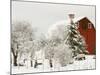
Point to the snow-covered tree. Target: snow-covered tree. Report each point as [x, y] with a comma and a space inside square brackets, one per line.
[58, 31]
[75, 40]
[49, 51]
[56, 47]
[63, 54]
[38, 45]
[22, 39]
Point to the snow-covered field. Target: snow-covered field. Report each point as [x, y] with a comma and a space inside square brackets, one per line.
[89, 63]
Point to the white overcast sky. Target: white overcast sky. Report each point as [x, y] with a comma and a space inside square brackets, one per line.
[43, 15]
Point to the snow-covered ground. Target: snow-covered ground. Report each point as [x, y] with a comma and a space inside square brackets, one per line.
[89, 63]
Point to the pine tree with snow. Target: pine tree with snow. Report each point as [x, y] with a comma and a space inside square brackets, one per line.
[75, 40]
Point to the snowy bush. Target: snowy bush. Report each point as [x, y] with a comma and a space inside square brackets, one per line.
[63, 54]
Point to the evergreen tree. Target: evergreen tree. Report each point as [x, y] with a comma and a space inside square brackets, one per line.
[75, 40]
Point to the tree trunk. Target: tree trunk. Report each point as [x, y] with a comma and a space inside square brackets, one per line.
[31, 63]
[35, 65]
[14, 57]
[50, 62]
[15, 61]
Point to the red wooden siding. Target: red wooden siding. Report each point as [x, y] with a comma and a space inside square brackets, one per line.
[87, 30]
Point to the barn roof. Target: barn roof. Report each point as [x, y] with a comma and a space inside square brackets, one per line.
[81, 18]
[78, 19]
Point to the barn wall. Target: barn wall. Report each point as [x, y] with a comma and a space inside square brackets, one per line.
[89, 34]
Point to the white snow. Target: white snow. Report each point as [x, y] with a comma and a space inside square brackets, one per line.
[89, 63]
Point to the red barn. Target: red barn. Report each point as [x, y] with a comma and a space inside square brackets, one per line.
[87, 30]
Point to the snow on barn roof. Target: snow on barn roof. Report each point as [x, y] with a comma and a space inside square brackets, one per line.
[78, 19]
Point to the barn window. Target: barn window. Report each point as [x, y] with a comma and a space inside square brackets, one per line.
[89, 25]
